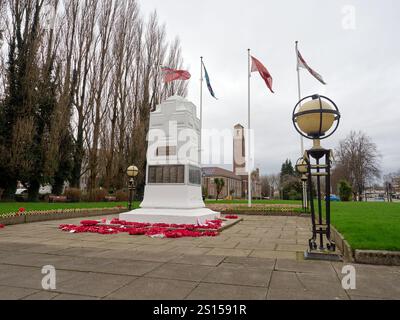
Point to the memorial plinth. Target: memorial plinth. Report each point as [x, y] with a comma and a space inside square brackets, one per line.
[173, 192]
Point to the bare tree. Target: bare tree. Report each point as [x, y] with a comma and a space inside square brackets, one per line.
[85, 16]
[84, 81]
[3, 19]
[270, 184]
[358, 160]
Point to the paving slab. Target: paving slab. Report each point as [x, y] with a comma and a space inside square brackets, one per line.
[377, 281]
[291, 247]
[154, 289]
[235, 274]
[189, 250]
[93, 284]
[264, 264]
[12, 293]
[304, 294]
[273, 254]
[251, 245]
[304, 266]
[201, 260]
[44, 248]
[138, 255]
[208, 291]
[42, 295]
[73, 297]
[229, 252]
[35, 259]
[219, 244]
[129, 267]
[181, 272]
[29, 277]
[286, 280]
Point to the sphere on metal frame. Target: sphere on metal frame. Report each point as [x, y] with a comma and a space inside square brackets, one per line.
[314, 118]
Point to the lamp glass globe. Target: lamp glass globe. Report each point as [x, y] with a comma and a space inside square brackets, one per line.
[301, 166]
[132, 171]
[310, 123]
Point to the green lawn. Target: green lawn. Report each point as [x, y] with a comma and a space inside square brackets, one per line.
[10, 207]
[367, 225]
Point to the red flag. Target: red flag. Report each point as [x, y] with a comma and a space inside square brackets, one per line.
[173, 75]
[301, 63]
[258, 66]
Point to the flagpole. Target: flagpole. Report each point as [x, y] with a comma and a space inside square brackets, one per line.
[299, 91]
[305, 196]
[249, 191]
[201, 111]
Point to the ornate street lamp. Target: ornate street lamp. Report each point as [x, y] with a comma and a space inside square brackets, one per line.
[132, 173]
[302, 169]
[316, 118]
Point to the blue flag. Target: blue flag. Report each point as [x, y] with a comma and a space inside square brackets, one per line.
[208, 82]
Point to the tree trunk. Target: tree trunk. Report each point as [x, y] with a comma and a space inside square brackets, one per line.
[57, 187]
[78, 157]
[33, 191]
[10, 187]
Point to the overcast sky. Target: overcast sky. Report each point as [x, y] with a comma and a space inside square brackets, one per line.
[360, 61]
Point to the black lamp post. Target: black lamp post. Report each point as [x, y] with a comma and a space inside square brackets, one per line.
[317, 117]
[302, 169]
[132, 173]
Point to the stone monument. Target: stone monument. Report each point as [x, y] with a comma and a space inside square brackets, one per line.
[173, 192]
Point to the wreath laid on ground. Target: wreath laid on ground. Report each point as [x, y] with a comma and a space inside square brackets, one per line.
[157, 230]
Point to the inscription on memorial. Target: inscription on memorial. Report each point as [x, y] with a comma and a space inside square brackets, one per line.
[168, 174]
[194, 175]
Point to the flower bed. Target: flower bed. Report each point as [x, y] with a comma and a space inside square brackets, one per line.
[256, 209]
[157, 230]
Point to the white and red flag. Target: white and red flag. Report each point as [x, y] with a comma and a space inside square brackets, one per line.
[257, 66]
[173, 75]
[301, 63]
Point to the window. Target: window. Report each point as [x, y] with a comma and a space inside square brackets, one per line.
[194, 175]
[166, 174]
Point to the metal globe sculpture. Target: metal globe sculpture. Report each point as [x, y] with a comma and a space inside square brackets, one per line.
[317, 117]
[314, 117]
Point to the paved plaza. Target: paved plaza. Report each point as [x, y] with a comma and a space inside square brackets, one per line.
[259, 258]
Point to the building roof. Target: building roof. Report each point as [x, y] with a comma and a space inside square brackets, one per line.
[219, 172]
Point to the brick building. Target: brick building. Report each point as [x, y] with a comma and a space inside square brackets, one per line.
[236, 181]
[396, 185]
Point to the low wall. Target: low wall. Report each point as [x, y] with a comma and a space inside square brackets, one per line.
[342, 245]
[374, 257]
[40, 216]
